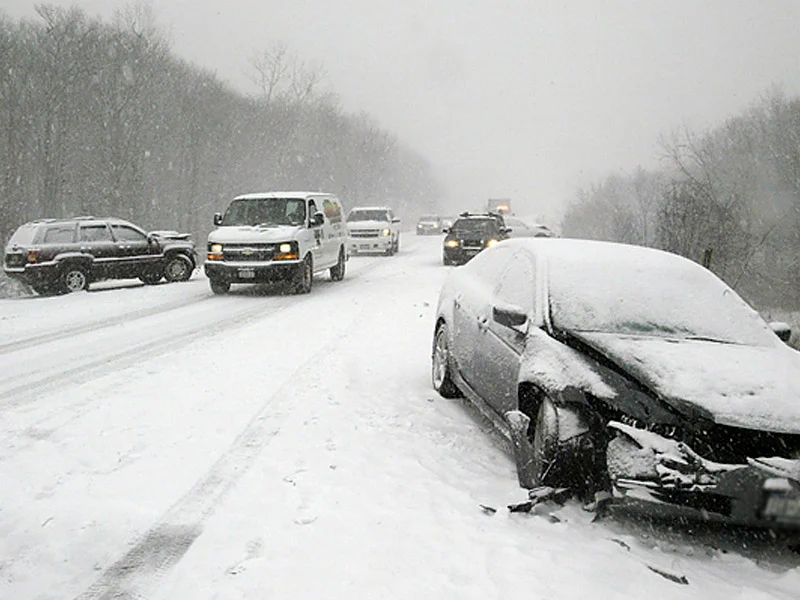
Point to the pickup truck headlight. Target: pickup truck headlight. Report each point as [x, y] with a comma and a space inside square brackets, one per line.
[386, 232]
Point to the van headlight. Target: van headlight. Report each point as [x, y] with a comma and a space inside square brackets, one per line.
[386, 232]
[214, 252]
[287, 251]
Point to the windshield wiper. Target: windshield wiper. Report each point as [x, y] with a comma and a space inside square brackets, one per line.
[702, 338]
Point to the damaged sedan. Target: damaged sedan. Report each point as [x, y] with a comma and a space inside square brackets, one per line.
[625, 369]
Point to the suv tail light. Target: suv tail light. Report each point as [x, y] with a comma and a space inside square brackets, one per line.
[33, 256]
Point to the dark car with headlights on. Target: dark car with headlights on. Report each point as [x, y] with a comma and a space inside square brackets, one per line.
[66, 255]
[470, 234]
[429, 225]
[628, 370]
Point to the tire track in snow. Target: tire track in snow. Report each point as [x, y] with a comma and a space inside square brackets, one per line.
[137, 574]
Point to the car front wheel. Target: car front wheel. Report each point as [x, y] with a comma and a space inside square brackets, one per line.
[178, 268]
[304, 277]
[337, 271]
[440, 365]
[219, 286]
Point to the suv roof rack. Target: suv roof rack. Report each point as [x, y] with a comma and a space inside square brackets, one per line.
[82, 218]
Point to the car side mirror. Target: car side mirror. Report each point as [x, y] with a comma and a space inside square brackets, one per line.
[396, 220]
[217, 219]
[152, 239]
[509, 315]
[445, 230]
[781, 329]
[318, 219]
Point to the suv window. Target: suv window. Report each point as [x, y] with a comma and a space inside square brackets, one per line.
[123, 233]
[95, 233]
[486, 226]
[24, 235]
[59, 234]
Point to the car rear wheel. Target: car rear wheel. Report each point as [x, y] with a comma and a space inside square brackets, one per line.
[337, 271]
[304, 278]
[74, 279]
[219, 286]
[178, 268]
[440, 366]
[151, 277]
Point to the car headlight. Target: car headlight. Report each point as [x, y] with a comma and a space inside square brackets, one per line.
[287, 251]
[491, 243]
[451, 243]
[284, 248]
[386, 232]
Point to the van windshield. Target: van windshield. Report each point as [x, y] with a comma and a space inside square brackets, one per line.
[266, 212]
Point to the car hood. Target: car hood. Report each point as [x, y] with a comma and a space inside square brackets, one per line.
[755, 387]
[254, 234]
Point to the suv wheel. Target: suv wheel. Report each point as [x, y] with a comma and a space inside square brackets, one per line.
[220, 286]
[151, 277]
[74, 279]
[178, 268]
[304, 277]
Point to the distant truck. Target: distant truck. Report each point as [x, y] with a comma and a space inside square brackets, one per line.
[499, 205]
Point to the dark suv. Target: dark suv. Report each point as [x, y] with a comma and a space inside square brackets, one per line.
[470, 234]
[66, 255]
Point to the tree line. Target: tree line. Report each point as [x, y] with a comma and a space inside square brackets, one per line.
[728, 197]
[102, 118]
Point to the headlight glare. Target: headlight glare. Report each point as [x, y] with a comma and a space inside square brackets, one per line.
[491, 243]
[386, 232]
[451, 243]
[215, 248]
[285, 247]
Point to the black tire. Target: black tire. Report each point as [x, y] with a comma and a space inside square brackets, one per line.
[572, 464]
[151, 277]
[178, 268]
[304, 277]
[337, 271]
[74, 279]
[440, 365]
[220, 286]
[390, 250]
[397, 245]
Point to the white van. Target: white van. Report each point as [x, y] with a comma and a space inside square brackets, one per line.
[277, 236]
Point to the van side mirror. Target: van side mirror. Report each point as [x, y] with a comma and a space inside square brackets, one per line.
[217, 219]
[318, 219]
[782, 330]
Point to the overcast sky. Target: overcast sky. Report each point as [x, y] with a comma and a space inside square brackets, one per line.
[526, 99]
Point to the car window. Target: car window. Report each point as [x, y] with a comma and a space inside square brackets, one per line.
[24, 235]
[517, 283]
[124, 233]
[95, 233]
[59, 234]
[489, 264]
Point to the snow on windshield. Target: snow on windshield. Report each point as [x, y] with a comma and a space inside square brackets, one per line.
[265, 211]
[367, 215]
[615, 288]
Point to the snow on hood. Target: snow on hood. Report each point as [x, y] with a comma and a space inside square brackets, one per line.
[558, 367]
[255, 233]
[755, 387]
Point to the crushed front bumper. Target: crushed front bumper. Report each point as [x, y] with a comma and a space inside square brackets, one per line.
[643, 465]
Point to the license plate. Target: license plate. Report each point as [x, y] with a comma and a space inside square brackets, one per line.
[247, 274]
[783, 506]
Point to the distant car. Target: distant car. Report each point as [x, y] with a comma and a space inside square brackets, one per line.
[67, 255]
[470, 234]
[519, 228]
[373, 229]
[626, 369]
[429, 225]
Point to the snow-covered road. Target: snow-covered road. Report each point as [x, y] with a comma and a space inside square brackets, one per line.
[162, 442]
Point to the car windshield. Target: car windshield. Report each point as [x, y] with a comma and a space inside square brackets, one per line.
[630, 291]
[479, 226]
[367, 215]
[265, 212]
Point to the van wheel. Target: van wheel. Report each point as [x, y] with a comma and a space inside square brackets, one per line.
[337, 271]
[220, 286]
[304, 277]
[74, 279]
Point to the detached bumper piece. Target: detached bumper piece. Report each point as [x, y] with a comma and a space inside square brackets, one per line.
[646, 466]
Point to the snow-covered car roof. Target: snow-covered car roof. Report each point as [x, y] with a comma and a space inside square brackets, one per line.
[295, 194]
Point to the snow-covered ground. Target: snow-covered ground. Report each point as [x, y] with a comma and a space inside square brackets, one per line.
[162, 442]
